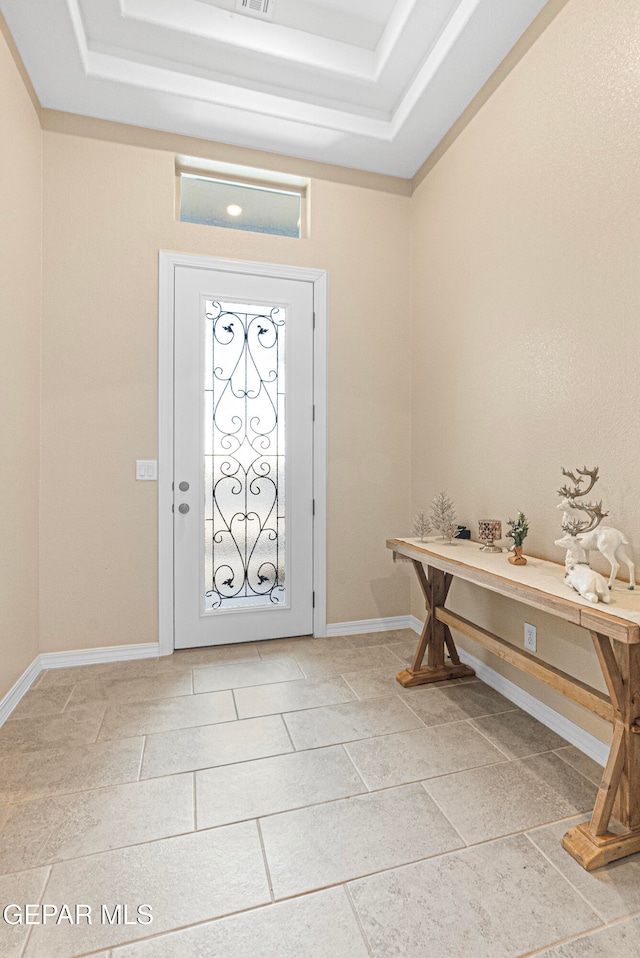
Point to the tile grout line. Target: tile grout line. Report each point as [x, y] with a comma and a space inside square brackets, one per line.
[253, 685]
[353, 795]
[314, 708]
[197, 768]
[304, 708]
[399, 697]
[305, 674]
[567, 880]
[444, 815]
[507, 757]
[389, 697]
[356, 915]
[95, 788]
[556, 751]
[264, 859]
[343, 745]
[431, 778]
[378, 871]
[235, 704]
[345, 679]
[43, 847]
[580, 935]
[521, 831]
[23, 950]
[622, 918]
[144, 745]
[344, 883]
[68, 699]
[465, 845]
[480, 732]
[595, 785]
[312, 748]
[180, 728]
[284, 722]
[195, 802]
[104, 715]
[413, 712]
[467, 719]
[167, 774]
[168, 932]
[400, 658]
[119, 848]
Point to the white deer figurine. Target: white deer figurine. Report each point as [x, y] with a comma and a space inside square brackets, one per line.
[589, 583]
[610, 542]
[588, 534]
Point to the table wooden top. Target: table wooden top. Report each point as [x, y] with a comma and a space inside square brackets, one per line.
[539, 583]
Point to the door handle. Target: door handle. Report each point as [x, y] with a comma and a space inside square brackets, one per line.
[183, 508]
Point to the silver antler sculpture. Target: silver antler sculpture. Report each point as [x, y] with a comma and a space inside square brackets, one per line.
[570, 499]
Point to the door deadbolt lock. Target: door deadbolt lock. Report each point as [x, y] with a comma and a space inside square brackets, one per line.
[184, 487]
[183, 508]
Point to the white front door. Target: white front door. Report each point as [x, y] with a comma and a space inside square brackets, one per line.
[243, 457]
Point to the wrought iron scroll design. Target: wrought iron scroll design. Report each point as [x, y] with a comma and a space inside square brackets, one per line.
[247, 446]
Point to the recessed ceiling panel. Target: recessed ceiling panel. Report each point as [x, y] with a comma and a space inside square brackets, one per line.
[358, 22]
[373, 85]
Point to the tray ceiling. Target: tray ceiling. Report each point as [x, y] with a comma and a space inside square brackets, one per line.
[370, 84]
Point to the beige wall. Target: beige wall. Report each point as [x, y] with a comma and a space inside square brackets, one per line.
[523, 245]
[20, 301]
[525, 252]
[109, 208]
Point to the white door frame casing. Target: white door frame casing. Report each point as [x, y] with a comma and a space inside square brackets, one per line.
[168, 261]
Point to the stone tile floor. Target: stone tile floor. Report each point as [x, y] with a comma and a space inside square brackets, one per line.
[288, 799]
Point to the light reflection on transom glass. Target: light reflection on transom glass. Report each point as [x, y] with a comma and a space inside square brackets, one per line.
[244, 456]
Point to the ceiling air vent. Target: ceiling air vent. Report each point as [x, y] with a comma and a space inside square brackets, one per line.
[256, 8]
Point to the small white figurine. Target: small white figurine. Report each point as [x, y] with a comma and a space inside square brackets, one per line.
[575, 553]
[589, 534]
[610, 542]
[590, 584]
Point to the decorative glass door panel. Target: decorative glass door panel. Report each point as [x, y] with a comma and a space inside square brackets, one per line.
[244, 455]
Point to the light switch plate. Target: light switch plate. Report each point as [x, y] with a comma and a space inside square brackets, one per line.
[147, 470]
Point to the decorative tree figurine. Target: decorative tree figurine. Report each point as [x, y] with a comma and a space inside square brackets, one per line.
[443, 517]
[421, 525]
[518, 529]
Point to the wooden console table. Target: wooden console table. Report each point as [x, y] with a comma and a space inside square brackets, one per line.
[615, 630]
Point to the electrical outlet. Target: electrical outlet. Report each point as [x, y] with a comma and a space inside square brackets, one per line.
[530, 637]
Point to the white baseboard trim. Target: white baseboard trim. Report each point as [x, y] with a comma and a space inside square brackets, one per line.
[370, 625]
[577, 736]
[109, 653]
[21, 687]
[63, 660]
